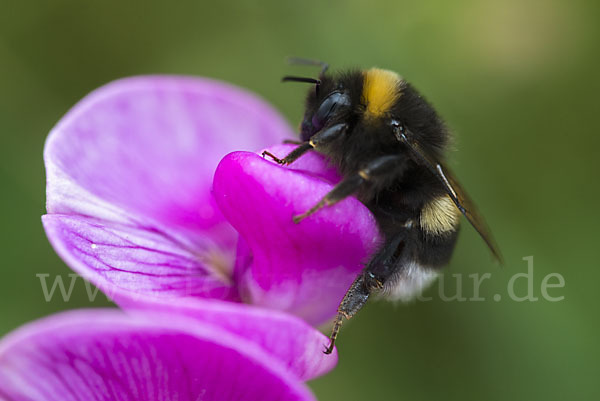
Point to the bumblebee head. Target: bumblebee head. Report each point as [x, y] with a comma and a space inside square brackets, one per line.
[372, 100]
[332, 107]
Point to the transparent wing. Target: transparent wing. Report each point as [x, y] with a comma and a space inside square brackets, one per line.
[458, 195]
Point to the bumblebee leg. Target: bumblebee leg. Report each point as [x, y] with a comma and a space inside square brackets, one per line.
[355, 298]
[342, 190]
[387, 260]
[409, 261]
[365, 284]
[292, 156]
[404, 265]
[377, 168]
[319, 139]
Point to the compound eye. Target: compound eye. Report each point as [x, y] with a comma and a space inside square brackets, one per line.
[332, 105]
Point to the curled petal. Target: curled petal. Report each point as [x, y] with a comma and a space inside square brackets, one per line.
[106, 355]
[300, 268]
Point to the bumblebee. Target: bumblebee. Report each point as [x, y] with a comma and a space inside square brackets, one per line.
[388, 143]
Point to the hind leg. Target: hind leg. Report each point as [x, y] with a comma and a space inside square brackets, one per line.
[402, 268]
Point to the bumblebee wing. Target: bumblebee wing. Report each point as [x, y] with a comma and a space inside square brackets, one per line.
[458, 195]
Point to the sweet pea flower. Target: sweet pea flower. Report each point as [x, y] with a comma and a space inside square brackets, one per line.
[146, 200]
[156, 195]
[107, 355]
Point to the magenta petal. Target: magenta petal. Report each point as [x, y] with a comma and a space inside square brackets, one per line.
[143, 151]
[106, 355]
[116, 257]
[132, 163]
[287, 338]
[301, 268]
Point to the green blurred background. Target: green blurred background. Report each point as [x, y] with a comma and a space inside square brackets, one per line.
[517, 82]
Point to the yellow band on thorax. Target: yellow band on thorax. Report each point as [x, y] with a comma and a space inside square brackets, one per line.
[381, 89]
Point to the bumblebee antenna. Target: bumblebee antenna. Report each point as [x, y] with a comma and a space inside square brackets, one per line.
[289, 78]
[306, 61]
[317, 82]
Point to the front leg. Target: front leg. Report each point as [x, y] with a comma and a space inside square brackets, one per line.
[318, 140]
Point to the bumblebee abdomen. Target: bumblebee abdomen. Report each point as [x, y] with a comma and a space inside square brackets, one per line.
[439, 216]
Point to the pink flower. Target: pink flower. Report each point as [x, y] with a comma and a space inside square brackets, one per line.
[197, 244]
[131, 204]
